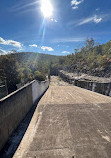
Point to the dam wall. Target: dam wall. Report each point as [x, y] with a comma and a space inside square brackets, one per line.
[102, 88]
[14, 107]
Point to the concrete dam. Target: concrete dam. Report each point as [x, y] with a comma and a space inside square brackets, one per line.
[68, 122]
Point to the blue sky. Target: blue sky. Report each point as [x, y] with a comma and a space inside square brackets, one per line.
[24, 27]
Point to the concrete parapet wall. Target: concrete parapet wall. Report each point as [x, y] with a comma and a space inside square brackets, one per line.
[15, 106]
[102, 88]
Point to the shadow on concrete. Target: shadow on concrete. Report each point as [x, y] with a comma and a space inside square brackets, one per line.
[14, 140]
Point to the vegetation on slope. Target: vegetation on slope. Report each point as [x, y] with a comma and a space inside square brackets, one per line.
[24, 67]
[93, 59]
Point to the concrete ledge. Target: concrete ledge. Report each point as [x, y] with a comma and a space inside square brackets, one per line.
[15, 106]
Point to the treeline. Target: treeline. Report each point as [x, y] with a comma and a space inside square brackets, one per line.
[24, 67]
[93, 59]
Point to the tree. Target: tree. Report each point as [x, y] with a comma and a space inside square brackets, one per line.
[89, 44]
[9, 72]
[39, 76]
[76, 51]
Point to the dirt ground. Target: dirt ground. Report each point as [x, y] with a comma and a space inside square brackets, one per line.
[69, 122]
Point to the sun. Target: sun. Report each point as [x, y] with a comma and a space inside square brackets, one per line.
[46, 8]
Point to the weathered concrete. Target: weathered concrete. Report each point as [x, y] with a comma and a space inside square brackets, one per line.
[15, 106]
[69, 122]
[95, 84]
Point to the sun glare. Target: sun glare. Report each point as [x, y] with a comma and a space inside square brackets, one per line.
[46, 8]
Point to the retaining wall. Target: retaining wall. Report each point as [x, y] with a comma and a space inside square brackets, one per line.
[102, 88]
[15, 106]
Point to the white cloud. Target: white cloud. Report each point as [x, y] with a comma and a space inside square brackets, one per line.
[85, 21]
[24, 6]
[10, 42]
[97, 20]
[75, 3]
[66, 40]
[65, 52]
[21, 49]
[33, 45]
[13, 43]
[97, 9]
[12, 52]
[53, 20]
[2, 52]
[75, 7]
[44, 48]
[94, 19]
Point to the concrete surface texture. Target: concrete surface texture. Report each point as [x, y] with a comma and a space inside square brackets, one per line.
[16, 105]
[69, 122]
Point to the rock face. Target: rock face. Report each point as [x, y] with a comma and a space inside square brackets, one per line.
[95, 84]
[98, 71]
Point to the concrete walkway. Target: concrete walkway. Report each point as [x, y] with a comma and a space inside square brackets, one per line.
[69, 122]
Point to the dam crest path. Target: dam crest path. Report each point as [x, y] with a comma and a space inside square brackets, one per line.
[69, 122]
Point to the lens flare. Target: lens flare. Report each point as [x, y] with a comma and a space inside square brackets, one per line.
[46, 8]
